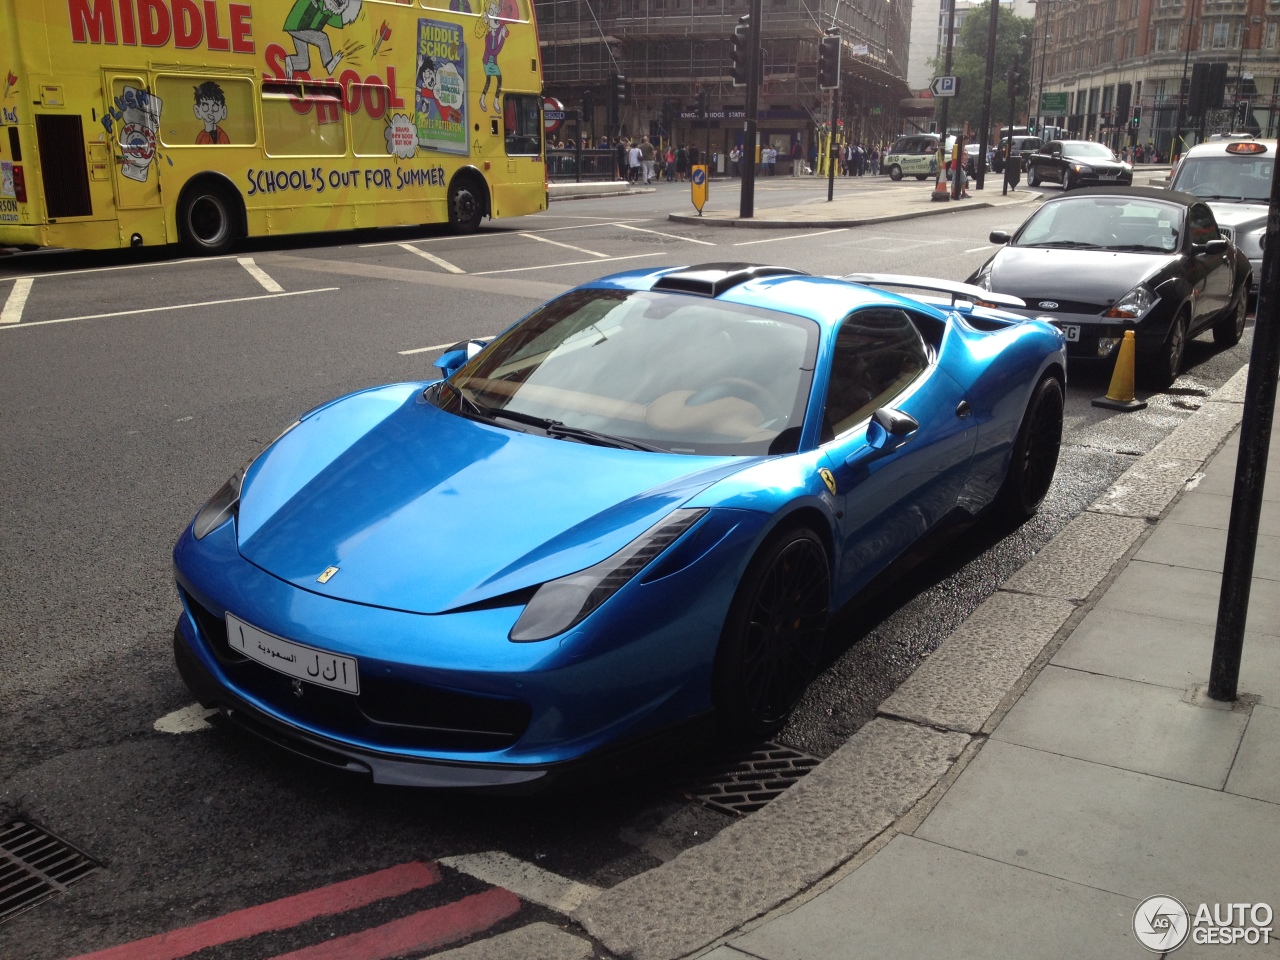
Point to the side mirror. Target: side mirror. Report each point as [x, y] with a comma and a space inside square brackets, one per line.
[1212, 247]
[1057, 154]
[999, 236]
[457, 355]
[888, 423]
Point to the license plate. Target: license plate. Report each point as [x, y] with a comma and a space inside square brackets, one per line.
[294, 659]
[1072, 332]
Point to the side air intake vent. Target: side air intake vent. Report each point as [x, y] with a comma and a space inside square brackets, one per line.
[713, 279]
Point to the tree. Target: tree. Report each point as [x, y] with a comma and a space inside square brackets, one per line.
[969, 63]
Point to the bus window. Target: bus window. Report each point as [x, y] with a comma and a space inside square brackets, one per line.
[201, 111]
[303, 124]
[456, 6]
[522, 116]
[372, 135]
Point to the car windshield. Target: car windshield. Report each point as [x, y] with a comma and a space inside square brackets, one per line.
[677, 372]
[1084, 149]
[1131, 224]
[1239, 178]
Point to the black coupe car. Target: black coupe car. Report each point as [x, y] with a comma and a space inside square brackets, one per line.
[1077, 163]
[1109, 259]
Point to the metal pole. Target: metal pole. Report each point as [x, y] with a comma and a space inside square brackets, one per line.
[1251, 465]
[831, 147]
[1182, 94]
[1235, 106]
[1012, 80]
[577, 150]
[747, 198]
[1044, 55]
[939, 193]
[988, 77]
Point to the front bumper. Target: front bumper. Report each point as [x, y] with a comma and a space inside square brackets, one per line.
[448, 700]
[1090, 337]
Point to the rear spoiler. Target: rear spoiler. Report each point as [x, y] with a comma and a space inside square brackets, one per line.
[953, 288]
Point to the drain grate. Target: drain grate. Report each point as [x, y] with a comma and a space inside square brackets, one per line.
[745, 785]
[35, 865]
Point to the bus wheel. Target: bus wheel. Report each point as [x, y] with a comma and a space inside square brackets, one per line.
[465, 208]
[207, 219]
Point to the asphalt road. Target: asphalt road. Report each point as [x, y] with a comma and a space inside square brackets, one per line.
[135, 382]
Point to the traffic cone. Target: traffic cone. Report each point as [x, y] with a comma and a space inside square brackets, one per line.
[1120, 394]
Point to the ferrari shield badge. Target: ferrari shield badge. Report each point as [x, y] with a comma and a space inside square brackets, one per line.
[327, 575]
[828, 479]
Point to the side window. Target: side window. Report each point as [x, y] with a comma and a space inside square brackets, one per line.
[522, 117]
[1201, 225]
[204, 111]
[303, 119]
[878, 352]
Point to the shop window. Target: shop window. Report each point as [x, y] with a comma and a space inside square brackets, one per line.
[206, 111]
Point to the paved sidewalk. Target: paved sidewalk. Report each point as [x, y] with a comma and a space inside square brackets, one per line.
[1108, 780]
[857, 201]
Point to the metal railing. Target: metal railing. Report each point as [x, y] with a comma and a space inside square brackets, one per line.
[570, 165]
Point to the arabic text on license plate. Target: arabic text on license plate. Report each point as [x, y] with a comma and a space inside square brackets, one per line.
[1072, 332]
[293, 659]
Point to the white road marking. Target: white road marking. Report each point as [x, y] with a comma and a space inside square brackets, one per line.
[508, 233]
[439, 346]
[260, 275]
[978, 249]
[177, 306]
[432, 257]
[567, 246]
[571, 263]
[17, 301]
[187, 720]
[673, 236]
[136, 266]
[794, 236]
[524, 880]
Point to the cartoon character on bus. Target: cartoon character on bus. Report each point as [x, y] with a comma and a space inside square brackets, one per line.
[496, 33]
[211, 110]
[429, 102]
[306, 23]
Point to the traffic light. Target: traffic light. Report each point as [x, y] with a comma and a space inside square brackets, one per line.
[829, 60]
[588, 106]
[621, 90]
[741, 52]
[1136, 120]
[1242, 114]
[704, 103]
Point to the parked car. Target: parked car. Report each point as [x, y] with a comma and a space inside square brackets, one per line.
[632, 511]
[1234, 178]
[915, 155]
[1109, 259]
[1077, 163]
[1024, 147]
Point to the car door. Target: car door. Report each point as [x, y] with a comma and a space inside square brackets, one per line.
[1211, 272]
[1052, 161]
[891, 489]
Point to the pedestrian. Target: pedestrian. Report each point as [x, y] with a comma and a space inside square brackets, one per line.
[735, 161]
[795, 156]
[646, 159]
[670, 163]
[624, 167]
[859, 160]
[633, 161]
[693, 156]
[813, 157]
[682, 163]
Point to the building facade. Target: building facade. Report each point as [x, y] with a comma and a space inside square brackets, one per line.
[1098, 53]
[673, 51]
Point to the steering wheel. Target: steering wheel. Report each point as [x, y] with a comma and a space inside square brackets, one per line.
[738, 387]
[1156, 240]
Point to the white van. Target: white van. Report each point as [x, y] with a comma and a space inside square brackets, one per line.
[915, 155]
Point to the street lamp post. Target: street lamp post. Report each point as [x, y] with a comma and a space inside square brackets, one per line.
[940, 190]
[1182, 89]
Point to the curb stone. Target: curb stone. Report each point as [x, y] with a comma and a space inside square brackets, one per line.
[879, 776]
[766, 224]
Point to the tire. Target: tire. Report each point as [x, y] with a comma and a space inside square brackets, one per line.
[208, 219]
[1035, 452]
[1229, 328]
[921, 176]
[1033, 176]
[895, 172]
[1163, 369]
[466, 208]
[773, 636]
[1067, 182]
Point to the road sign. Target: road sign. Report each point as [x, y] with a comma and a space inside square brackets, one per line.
[945, 86]
[552, 114]
[1053, 104]
[698, 186]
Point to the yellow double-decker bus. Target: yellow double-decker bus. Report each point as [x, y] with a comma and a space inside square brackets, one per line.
[132, 122]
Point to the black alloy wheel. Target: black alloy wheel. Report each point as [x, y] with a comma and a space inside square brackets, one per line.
[773, 636]
[1229, 328]
[465, 208]
[1035, 451]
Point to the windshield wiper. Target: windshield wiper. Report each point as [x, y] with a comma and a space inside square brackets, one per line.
[1076, 244]
[1137, 246]
[469, 408]
[564, 431]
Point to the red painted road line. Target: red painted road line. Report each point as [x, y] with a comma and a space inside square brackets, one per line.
[276, 915]
[420, 931]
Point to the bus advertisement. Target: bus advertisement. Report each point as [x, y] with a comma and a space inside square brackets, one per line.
[132, 122]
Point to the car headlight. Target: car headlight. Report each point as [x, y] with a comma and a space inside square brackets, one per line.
[1081, 168]
[1133, 305]
[223, 505]
[560, 604]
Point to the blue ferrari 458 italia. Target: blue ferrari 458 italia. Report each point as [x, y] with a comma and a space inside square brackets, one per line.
[633, 510]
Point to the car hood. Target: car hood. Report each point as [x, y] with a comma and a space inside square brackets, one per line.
[1238, 215]
[425, 511]
[1089, 278]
